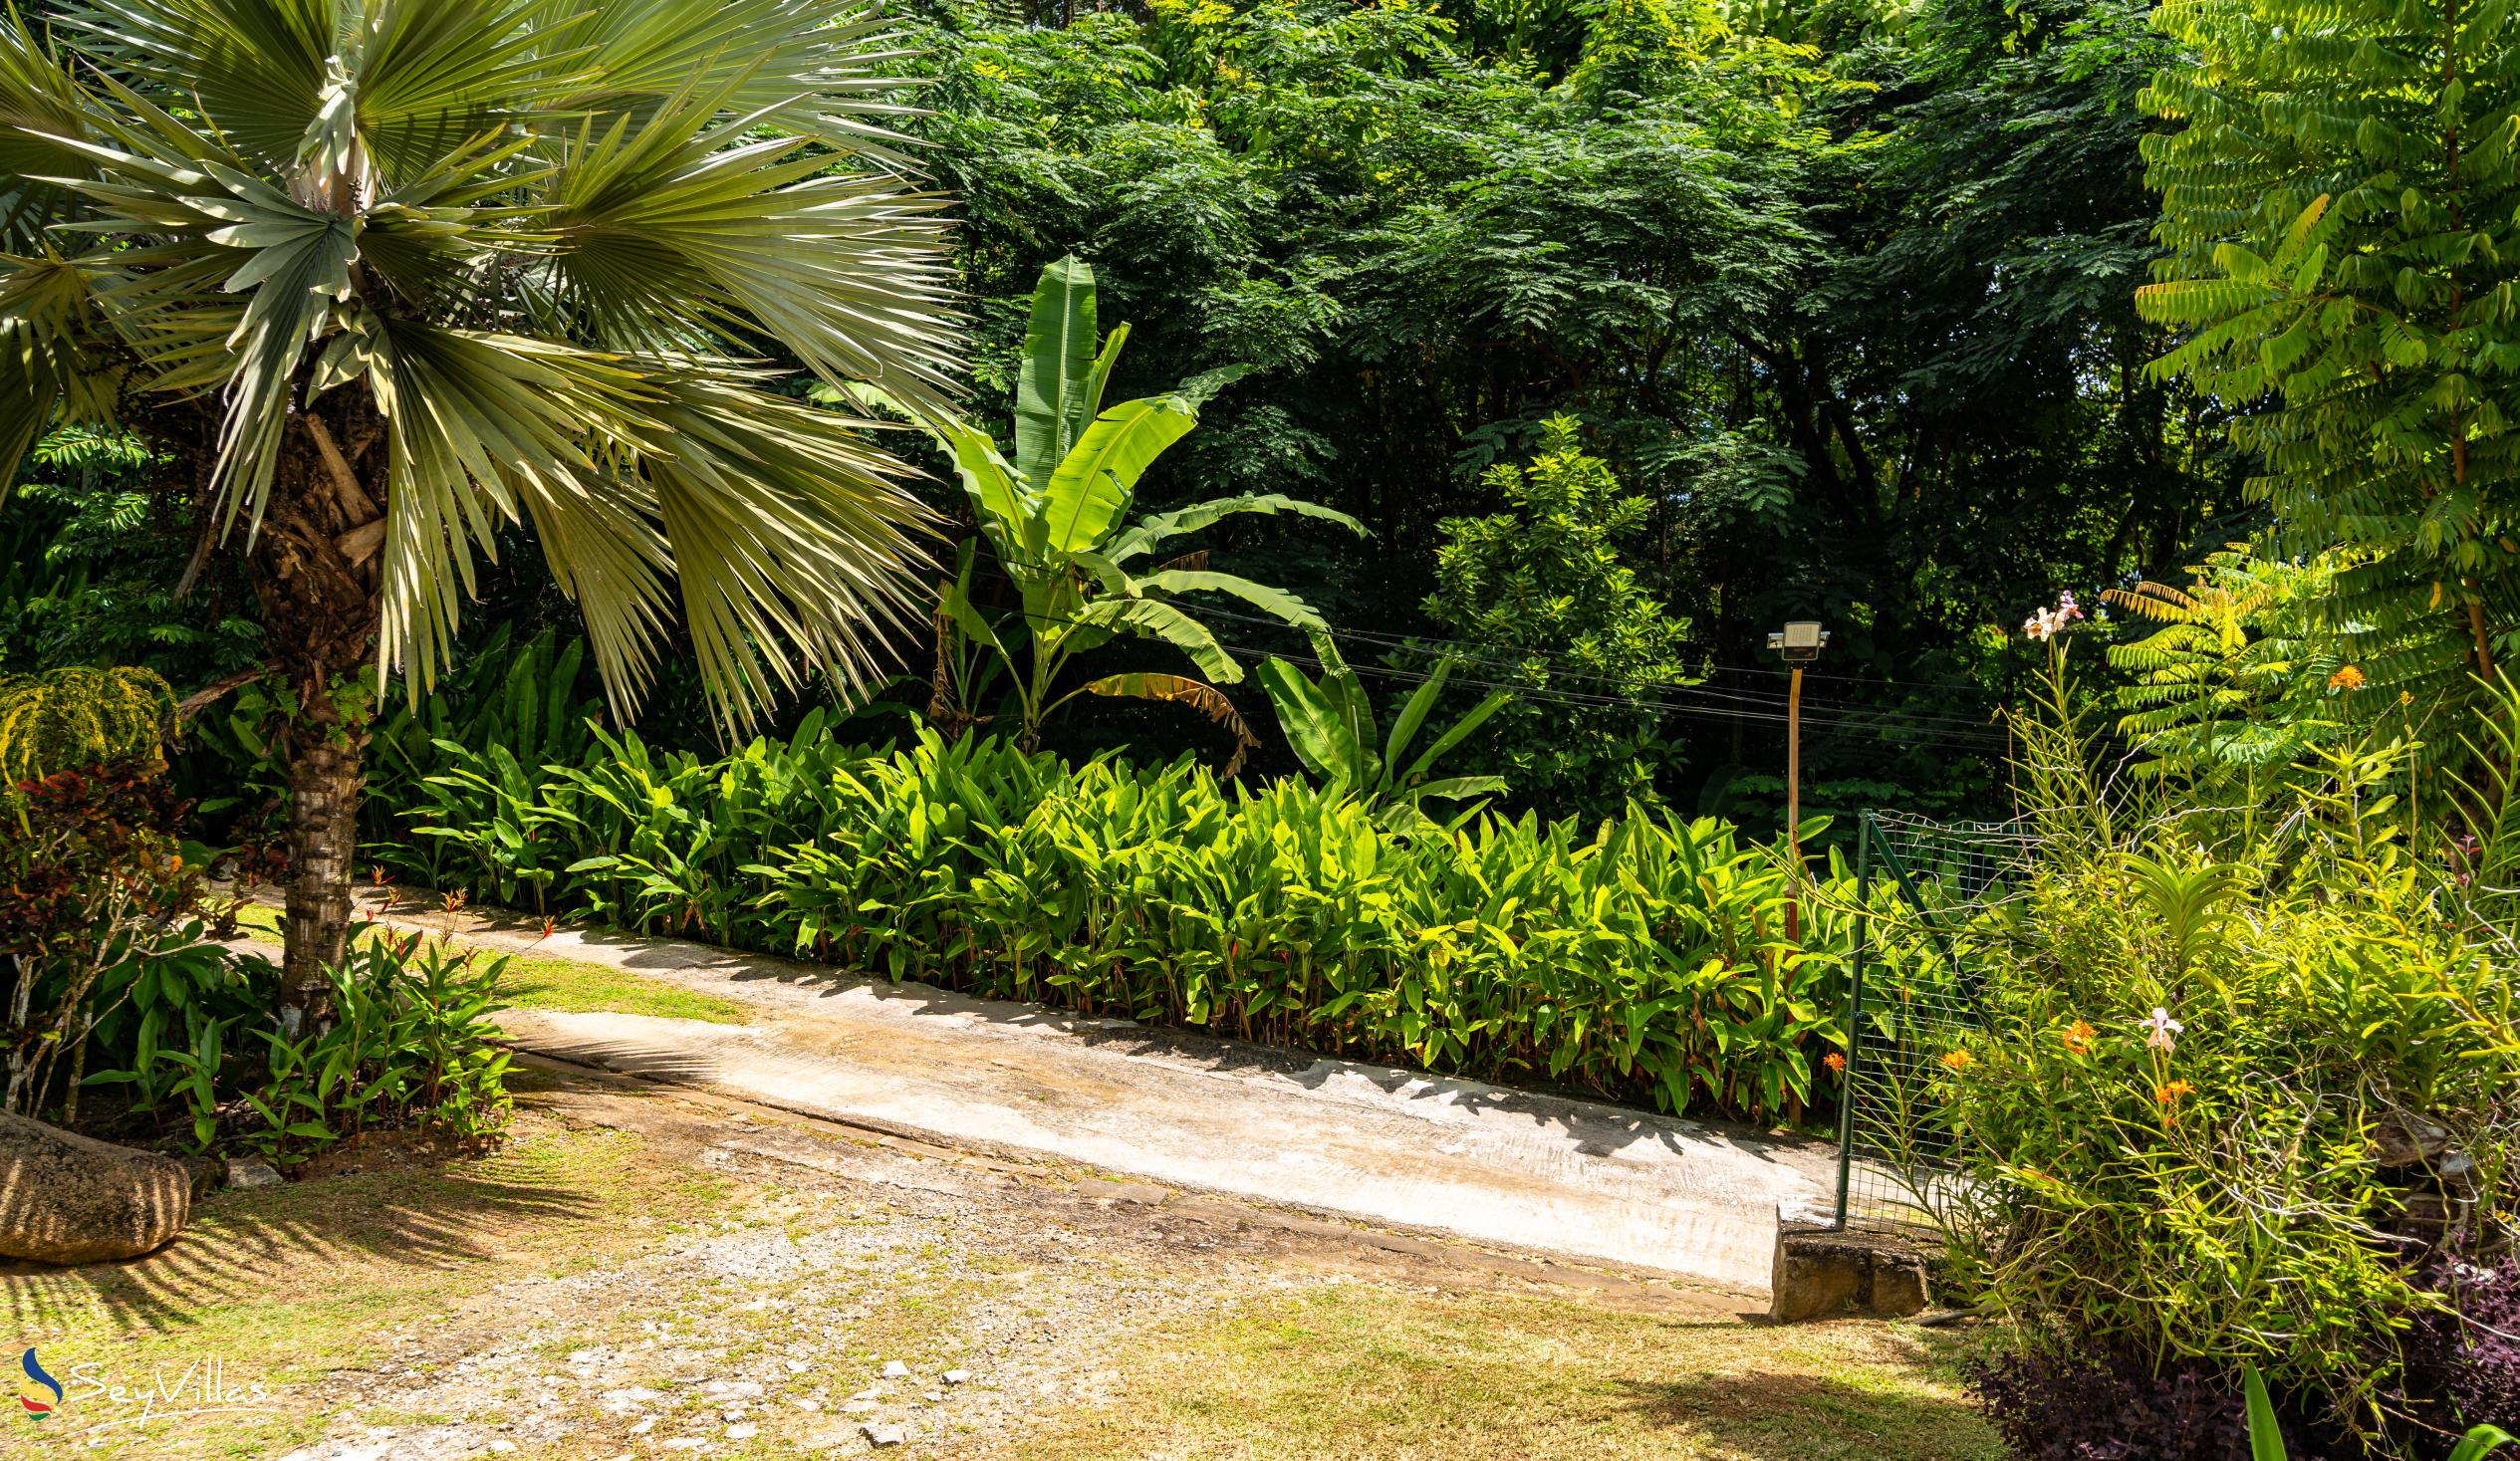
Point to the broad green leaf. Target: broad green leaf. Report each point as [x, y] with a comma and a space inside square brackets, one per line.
[2266, 1437]
[1413, 715]
[1094, 481]
[1459, 732]
[1060, 373]
[1315, 731]
[1452, 787]
[1276, 602]
[1150, 533]
[1154, 618]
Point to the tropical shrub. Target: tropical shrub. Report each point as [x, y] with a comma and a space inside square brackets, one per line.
[2252, 1065]
[102, 907]
[1642, 959]
[414, 1047]
[76, 717]
[99, 906]
[2052, 1408]
[1542, 602]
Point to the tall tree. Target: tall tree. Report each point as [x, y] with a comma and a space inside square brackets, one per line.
[2340, 212]
[376, 278]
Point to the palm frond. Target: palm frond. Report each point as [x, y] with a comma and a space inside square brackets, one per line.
[790, 534]
[668, 236]
[540, 242]
[804, 67]
[475, 422]
[39, 102]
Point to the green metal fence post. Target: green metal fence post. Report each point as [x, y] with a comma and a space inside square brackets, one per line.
[1863, 835]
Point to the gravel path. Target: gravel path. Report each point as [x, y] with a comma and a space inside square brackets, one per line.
[998, 1292]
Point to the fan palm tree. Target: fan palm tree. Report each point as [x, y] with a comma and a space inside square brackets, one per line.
[378, 278]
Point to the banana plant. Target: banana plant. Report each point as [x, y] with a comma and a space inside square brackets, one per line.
[1057, 516]
[1330, 723]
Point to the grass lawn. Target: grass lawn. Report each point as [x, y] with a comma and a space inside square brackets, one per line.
[636, 1267]
[1365, 1372]
[539, 982]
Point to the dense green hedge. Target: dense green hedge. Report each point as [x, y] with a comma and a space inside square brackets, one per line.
[1644, 959]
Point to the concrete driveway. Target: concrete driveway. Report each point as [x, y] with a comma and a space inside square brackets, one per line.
[1394, 1147]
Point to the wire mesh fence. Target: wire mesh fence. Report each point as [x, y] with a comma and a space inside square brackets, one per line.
[1929, 898]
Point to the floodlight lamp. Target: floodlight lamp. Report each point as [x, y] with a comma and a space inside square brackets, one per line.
[1799, 640]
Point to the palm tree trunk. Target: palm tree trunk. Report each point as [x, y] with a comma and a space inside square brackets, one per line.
[314, 569]
[324, 780]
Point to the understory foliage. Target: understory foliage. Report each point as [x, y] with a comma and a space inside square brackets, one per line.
[414, 1047]
[97, 904]
[79, 717]
[1645, 959]
[118, 976]
[196, 1054]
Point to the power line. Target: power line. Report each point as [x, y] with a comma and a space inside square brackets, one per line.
[1984, 737]
[1750, 704]
[1878, 719]
[1752, 701]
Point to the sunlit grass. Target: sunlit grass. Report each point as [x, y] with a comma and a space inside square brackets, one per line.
[540, 982]
[282, 1285]
[1358, 1370]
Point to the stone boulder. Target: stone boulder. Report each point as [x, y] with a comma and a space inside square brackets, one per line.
[66, 1198]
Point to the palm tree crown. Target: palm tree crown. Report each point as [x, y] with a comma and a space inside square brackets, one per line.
[505, 260]
[378, 278]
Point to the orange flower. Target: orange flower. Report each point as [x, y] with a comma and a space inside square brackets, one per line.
[2347, 679]
[1958, 1060]
[2078, 1035]
[1836, 1063]
[2169, 1095]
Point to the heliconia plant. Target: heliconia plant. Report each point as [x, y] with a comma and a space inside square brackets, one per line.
[1330, 726]
[1643, 958]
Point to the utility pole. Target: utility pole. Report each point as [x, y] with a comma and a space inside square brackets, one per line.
[1800, 643]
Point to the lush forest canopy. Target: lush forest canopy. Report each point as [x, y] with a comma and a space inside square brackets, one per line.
[1843, 296]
